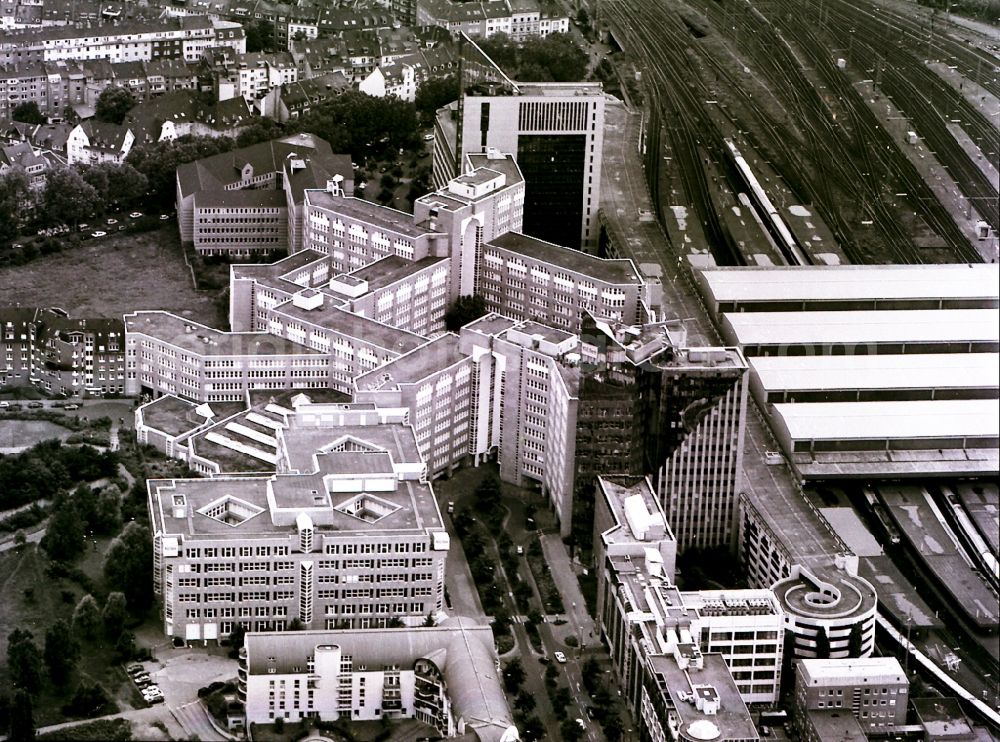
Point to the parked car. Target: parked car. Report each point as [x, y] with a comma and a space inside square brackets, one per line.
[111, 222]
[35, 405]
[135, 215]
[4, 405]
[71, 406]
[98, 234]
[142, 680]
[560, 657]
[84, 227]
[428, 137]
[135, 668]
[152, 690]
[451, 507]
[580, 723]
[164, 217]
[520, 550]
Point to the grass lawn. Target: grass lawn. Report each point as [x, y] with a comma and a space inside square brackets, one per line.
[111, 276]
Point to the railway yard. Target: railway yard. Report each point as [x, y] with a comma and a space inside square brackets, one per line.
[790, 107]
[827, 132]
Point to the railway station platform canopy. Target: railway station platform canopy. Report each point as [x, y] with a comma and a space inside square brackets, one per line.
[870, 371]
[845, 287]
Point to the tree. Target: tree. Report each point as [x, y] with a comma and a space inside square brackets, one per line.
[525, 702]
[434, 93]
[20, 539]
[64, 537]
[295, 624]
[28, 113]
[260, 36]
[487, 493]
[114, 614]
[67, 197]
[854, 641]
[106, 518]
[555, 57]
[22, 718]
[571, 731]
[464, 310]
[158, 162]
[14, 194]
[113, 104]
[513, 675]
[4, 713]
[87, 617]
[822, 644]
[128, 567]
[125, 648]
[262, 129]
[62, 650]
[89, 700]
[24, 660]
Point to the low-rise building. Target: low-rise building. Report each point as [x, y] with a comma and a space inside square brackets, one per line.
[873, 690]
[444, 676]
[94, 142]
[347, 533]
[519, 19]
[249, 200]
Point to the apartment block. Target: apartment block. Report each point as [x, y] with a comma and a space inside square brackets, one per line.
[346, 534]
[129, 41]
[650, 405]
[48, 349]
[444, 676]
[873, 690]
[94, 142]
[519, 19]
[527, 278]
[251, 200]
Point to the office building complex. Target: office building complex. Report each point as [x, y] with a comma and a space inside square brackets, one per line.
[48, 349]
[874, 691]
[687, 664]
[444, 676]
[346, 533]
[635, 556]
[526, 278]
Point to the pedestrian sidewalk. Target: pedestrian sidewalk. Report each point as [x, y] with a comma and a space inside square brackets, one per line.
[564, 575]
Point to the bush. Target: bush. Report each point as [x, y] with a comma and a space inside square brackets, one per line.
[210, 688]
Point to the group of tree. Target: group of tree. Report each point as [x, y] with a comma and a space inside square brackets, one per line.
[113, 104]
[17, 719]
[553, 58]
[73, 516]
[28, 113]
[158, 162]
[433, 94]
[363, 125]
[463, 310]
[49, 467]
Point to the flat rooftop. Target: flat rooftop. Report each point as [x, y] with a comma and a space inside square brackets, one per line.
[732, 721]
[850, 282]
[490, 324]
[392, 268]
[505, 164]
[206, 341]
[876, 372]
[278, 274]
[381, 217]
[875, 669]
[335, 319]
[545, 332]
[614, 271]
[860, 328]
[906, 420]
[304, 443]
[414, 366]
[175, 416]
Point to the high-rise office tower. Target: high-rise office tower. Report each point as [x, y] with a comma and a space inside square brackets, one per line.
[650, 405]
[556, 132]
